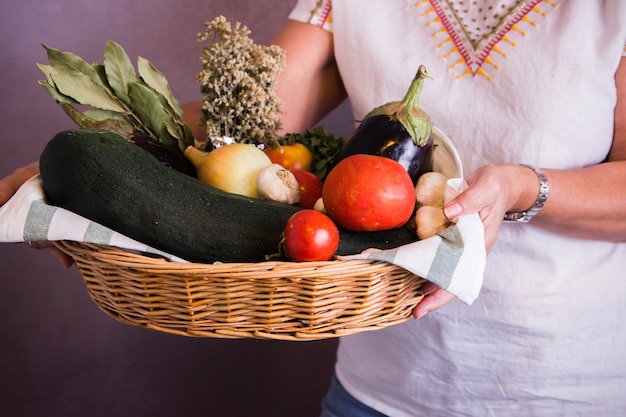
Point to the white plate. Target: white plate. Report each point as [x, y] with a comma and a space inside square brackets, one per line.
[445, 157]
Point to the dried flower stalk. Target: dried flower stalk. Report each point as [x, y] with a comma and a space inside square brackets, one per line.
[238, 81]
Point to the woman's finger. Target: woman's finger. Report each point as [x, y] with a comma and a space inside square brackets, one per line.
[61, 256]
[434, 300]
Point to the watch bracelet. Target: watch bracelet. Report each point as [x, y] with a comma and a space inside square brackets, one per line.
[542, 196]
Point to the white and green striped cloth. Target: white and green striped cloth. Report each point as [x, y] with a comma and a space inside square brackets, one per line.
[26, 217]
[454, 259]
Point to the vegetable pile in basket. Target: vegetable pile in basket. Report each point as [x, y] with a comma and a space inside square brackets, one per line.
[257, 196]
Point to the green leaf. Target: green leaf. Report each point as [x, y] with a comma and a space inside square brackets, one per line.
[188, 138]
[147, 106]
[99, 114]
[99, 68]
[185, 135]
[69, 62]
[46, 69]
[119, 70]
[85, 90]
[177, 128]
[172, 126]
[48, 84]
[176, 133]
[155, 79]
[166, 139]
[56, 94]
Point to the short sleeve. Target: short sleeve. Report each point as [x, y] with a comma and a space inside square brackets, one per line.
[314, 12]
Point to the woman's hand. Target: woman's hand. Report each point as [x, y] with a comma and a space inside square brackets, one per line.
[435, 298]
[9, 186]
[492, 192]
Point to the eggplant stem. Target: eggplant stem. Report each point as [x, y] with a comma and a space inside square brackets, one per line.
[408, 111]
[414, 93]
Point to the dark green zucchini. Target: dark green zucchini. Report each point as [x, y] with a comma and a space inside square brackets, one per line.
[103, 177]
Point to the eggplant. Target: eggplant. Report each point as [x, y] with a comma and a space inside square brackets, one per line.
[384, 136]
[399, 130]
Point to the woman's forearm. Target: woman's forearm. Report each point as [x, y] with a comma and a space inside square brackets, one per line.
[588, 202]
[311, 86]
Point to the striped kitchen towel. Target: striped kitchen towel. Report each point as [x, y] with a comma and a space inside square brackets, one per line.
[26, 217]
[454, 259]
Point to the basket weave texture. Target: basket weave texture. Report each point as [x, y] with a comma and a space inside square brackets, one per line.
[266, 300]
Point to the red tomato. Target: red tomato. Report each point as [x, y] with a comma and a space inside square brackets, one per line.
[310, 235]
[296, 156]
[368, 193]
[310, 188]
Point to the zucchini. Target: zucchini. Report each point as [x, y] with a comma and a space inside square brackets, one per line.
[107, 179]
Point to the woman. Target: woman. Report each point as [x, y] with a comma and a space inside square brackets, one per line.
[540, 83]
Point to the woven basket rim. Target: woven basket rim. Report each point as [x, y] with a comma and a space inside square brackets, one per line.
[280, 300]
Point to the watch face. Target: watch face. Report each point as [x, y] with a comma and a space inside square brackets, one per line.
[517, 217]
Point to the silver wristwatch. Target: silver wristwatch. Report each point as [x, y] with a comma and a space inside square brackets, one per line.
[544, 188]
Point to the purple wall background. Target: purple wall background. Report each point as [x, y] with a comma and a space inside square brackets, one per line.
[59, 354]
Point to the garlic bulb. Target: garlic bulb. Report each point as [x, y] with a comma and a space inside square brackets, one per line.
[430, 189]
[278, 184]
[430, 220]
[319, 205]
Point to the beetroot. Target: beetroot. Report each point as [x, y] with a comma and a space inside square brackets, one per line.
[170, 157]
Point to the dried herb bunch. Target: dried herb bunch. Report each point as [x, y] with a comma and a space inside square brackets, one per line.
[238, 80]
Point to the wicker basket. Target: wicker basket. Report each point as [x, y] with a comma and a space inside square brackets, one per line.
[269, 300]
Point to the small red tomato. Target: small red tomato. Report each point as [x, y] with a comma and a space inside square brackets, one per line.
[310, 188]
[310, 235]
[296, 156]
[368, 193]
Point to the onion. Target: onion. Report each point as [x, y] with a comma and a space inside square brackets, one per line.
[232, 168]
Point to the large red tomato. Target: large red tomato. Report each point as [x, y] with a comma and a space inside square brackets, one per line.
[368, 193]
[310, 235]
[310, 188]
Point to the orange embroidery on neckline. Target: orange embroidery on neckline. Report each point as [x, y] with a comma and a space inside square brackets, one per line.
[476, 43]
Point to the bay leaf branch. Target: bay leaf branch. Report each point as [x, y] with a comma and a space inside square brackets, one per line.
[68, 62]
[85, 90]
[119, 70]
[146, 105]
[155, 79]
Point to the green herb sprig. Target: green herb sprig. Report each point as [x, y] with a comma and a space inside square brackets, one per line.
[325, 147]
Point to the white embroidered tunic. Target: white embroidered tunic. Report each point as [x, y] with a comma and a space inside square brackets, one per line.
[513, 82]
